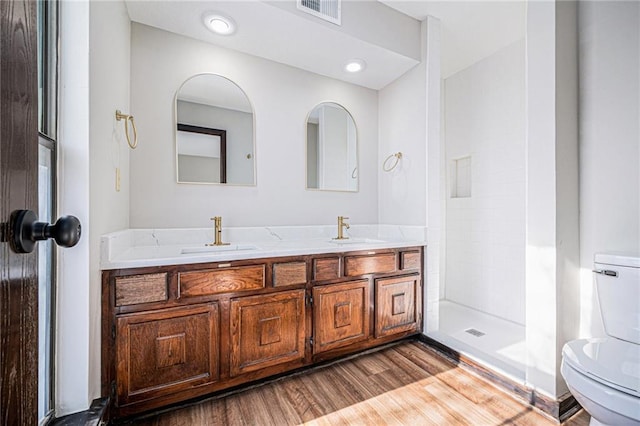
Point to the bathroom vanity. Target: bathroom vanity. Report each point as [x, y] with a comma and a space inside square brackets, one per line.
[174, 331]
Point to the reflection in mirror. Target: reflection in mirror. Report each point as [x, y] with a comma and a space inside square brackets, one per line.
[332, 152]
[214, 132]
[201, 154]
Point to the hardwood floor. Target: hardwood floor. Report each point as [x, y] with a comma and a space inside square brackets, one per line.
[405, 384]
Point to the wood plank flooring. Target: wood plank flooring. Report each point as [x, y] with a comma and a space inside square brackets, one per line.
[405, 384]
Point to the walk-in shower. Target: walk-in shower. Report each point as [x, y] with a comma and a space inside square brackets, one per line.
[483, 158]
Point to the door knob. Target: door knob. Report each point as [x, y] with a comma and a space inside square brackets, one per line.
[25, 231]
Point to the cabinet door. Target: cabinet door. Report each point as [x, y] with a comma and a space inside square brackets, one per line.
[396, 305]
[341, 315]
[267, 330]
[164, 351]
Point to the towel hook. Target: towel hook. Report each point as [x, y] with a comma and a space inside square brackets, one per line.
[128, 119]
[397, 156]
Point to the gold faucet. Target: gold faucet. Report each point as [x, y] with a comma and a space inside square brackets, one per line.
[217, 232]
[341, 225]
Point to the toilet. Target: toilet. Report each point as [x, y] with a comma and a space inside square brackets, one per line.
[604, 373]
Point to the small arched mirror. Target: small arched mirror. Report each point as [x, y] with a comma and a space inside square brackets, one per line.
[332, 149]
[214, 132]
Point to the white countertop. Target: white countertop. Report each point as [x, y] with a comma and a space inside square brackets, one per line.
[136, 248]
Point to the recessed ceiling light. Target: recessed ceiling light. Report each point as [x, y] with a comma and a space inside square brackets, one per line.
[355, 65]
[219, 23]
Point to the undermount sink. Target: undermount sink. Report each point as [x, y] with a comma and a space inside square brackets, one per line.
[355, 241]
[218, 249]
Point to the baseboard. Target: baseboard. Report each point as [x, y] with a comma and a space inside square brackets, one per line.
[559, 410]
[96, 415]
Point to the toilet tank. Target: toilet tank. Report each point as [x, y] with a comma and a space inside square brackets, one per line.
[618, 287]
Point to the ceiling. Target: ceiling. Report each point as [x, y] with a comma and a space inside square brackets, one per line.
[385, 33]
[471, 30]
[388, 40]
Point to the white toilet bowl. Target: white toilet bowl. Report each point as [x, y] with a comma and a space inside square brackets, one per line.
[604, 373]
[604, 376]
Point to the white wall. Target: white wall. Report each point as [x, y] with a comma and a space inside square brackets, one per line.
[108, 149]
[610, 141]
[95, 82]
[485, 232]
[282, 97]
[403, 128]
[552, 205]
[567, 181]
[410, 121]
[72, 311]
[541, 298]
[436, 219]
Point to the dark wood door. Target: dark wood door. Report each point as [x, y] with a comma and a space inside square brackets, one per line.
[266, 330]
[165, 351]
[18, 190]
[396, 305]
[341, 315]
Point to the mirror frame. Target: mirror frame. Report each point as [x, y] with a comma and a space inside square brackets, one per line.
[355, 172]
[175, 133]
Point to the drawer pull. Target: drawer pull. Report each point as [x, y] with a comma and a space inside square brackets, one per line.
[224, 265]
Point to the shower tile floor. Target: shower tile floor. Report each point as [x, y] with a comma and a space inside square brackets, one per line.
[500, 346]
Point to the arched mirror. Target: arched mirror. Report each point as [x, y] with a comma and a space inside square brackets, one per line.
[214, 132]
[332, 149]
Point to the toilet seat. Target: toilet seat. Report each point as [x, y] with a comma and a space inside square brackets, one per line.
[606, 405]
[613, 362]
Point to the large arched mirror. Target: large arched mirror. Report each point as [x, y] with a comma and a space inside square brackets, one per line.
[214, 132]
[332, 149]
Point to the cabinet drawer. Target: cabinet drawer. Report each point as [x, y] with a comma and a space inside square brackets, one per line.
[136, 289]
[214, 281]
[290, 273]
[410, 260]
[165, 351]
[369, 264]
[266, 330]
[326, 269]
[397, 302]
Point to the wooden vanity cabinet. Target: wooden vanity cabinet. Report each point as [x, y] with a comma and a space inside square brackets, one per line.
[165, 351]
[340, 315]
[267, 330]
[397, 305]
[172, 333]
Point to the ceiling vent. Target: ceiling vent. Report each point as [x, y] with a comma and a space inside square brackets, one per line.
[329, 10]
